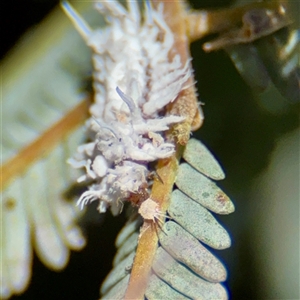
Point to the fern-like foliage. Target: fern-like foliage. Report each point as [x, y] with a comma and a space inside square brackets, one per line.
[42, 112]
[165, 260]
[182, 267]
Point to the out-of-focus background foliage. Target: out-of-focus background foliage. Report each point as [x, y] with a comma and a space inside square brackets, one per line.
[258, 147]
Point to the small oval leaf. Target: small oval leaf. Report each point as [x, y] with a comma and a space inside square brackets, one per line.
[188, 250]
[203, 190]
[198, 156]
[197, 220]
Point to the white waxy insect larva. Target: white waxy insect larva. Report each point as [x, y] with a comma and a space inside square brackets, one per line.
[134, 80]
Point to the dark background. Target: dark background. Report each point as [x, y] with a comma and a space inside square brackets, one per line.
[236, 128]
[18, 16]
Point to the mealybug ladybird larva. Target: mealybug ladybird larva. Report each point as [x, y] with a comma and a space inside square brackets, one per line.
[136, 75]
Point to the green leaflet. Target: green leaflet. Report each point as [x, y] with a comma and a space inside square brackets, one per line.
[158, 289]
[121, 270]
[15, 252]
[199, 157]
[182, 279]
[195, 219]
[203, 190]
[126, 248]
